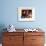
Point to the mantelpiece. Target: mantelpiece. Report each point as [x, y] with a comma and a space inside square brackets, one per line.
[21, 38]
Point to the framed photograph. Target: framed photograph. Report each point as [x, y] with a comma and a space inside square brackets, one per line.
[26, 14]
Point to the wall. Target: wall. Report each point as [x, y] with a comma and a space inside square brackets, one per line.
[9, 13]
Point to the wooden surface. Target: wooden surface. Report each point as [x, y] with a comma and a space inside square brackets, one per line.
[23, 39]
[13, 39]
[34, 39]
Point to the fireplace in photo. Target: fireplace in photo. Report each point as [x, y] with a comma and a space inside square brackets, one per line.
[26, 13]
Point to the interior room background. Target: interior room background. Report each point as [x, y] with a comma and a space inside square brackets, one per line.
[8, 14]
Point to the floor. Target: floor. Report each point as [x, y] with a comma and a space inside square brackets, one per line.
[1, 45]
